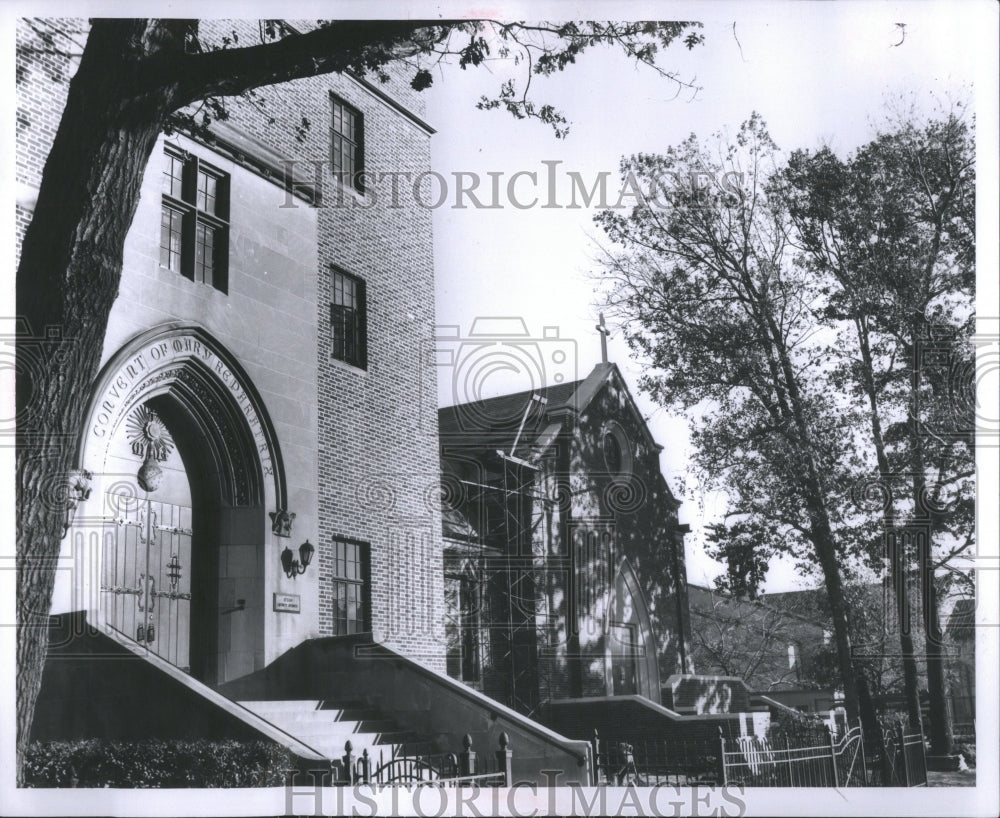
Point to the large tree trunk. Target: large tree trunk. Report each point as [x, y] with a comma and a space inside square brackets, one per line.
[823, 539]
[67, 281]
[940, 717]
[897, 556]
[827, 555]
[941, 727]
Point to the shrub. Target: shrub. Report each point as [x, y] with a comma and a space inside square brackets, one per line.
[798, 729]
[155, 763]
[968, 751]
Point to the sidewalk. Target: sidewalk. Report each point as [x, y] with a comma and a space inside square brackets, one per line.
[956, 779]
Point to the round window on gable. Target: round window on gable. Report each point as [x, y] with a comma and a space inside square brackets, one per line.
[612, 452]
[617, 456]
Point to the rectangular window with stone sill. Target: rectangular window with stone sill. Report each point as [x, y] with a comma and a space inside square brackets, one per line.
[348, 319]
[194, 223]
[351, 586]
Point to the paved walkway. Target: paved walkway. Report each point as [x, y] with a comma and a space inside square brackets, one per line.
[956, 779]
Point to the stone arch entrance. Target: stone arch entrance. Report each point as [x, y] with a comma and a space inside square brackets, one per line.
[186, 551]
[631, 655]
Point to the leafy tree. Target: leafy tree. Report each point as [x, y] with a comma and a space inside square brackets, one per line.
[802, 318]
[892, 229]
[137, 78]
[701, 275]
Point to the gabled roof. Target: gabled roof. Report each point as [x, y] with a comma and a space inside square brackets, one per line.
[805, 605]
[493, 423]
[962, 619]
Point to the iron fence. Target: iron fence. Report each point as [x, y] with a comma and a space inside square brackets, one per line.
[402, 767]
[760, 762]
[808, 759]
[903, 762]
[648, 762]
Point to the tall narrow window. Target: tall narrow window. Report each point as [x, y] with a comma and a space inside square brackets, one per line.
[463, 623]
[351, 583]
[347, 144]
[194, 227]
[348, 319]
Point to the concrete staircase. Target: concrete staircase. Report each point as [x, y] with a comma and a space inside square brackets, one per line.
[327, 726]
[335, 689]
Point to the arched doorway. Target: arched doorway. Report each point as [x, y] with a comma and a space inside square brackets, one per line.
[182, 563]
[631, 654]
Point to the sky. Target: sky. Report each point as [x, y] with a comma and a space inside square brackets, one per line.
[819, 74]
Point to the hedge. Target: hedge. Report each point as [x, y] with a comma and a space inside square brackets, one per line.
[155, 763]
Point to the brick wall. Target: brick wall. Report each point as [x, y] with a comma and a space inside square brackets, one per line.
[377, 444]
[46, 58]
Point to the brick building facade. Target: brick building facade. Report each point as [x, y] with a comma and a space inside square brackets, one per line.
[267, 464]
[274, 332]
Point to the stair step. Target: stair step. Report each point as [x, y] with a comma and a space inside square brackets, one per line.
[335, 746]
[344, 704]
[330, 720]
[356, 713]
[328, 725]
[310, 723]
[282, 705]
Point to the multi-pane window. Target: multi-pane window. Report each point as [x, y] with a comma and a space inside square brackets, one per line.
[171, 233]
[463, 601]
[350, 587]
[194, 229]
[348, 319]
[347, 144]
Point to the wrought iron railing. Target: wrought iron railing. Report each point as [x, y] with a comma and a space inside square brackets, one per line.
[398, 766]
[753, 761]
[648, 762]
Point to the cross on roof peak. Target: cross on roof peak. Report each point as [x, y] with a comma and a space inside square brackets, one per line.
[605, 332]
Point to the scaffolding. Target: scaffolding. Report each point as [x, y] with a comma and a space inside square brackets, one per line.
[512, 509]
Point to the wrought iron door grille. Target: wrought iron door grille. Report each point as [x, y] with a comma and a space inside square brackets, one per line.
[145, 574]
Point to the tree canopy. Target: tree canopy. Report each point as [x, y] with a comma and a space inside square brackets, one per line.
[786, 304]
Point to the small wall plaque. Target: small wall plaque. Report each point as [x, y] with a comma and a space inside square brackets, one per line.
[287, 603]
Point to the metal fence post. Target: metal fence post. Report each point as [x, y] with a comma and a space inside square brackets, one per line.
[722, 758]
[467, 758]
[366, 767]
[349, 761]
[904, 756]
[923, 760]
[595, 744]
[864, 761]
[833, 759]
[505, 758]
[788, 761]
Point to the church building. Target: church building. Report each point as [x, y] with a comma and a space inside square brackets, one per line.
[564, 559]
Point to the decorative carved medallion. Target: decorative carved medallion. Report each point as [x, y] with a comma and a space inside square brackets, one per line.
[149, 439]
[146, 432]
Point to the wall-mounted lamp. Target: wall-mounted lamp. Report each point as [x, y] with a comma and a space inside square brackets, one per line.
[293, 567]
